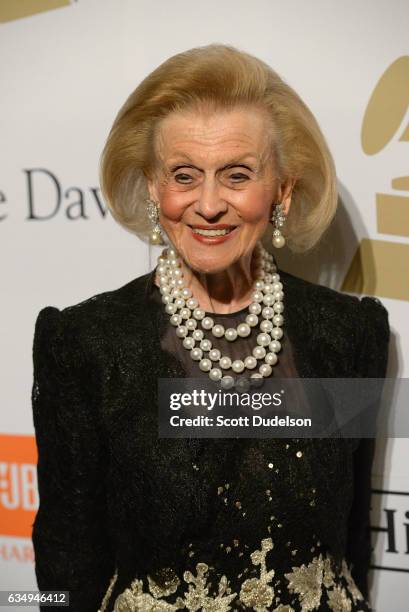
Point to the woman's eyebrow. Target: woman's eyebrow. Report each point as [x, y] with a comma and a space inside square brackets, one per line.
[237, 162]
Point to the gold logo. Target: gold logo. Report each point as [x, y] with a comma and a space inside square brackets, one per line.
[16, 9]
[381, 267]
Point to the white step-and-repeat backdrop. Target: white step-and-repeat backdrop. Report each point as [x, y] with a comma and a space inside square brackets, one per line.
[67, 66]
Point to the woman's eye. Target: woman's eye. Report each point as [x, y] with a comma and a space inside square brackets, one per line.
[185, 179]
[239, 177]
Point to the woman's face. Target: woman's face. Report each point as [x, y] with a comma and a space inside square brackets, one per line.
[215, 183]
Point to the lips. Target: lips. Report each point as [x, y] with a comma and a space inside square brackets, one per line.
[218, 226]
[213, 234]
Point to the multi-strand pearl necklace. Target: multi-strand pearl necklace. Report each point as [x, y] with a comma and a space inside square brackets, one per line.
[191, 321]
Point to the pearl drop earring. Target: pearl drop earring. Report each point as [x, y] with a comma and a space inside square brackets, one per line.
[278, 219]
[153, 214]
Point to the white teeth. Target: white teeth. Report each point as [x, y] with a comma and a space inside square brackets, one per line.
[211, 232]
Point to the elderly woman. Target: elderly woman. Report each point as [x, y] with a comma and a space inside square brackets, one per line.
[206, 151]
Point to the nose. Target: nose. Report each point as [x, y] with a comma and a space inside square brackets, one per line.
[210, 204]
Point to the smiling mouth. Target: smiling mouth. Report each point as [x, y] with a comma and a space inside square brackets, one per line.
[217, 231]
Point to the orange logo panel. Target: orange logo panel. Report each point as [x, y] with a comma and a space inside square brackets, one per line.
[18, 485]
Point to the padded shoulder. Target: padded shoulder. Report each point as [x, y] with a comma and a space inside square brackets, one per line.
[352, 332]
[97, 320]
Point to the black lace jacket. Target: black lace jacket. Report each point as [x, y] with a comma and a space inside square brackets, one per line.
[212, 524]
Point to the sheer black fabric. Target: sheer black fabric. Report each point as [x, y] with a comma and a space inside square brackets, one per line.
[240, 348]
[212, 524]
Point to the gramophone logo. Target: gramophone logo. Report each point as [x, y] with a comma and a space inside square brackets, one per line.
[381, 267]
[16, 9]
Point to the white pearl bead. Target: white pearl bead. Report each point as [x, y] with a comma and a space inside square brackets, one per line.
[276, 333]
[165, 290]
[181, 331]
[215, 374]
[230, 334]
[192, 303]
[256, 379]
[278, 319]
[268, 312]
[259, 352]
[206, 345]
[237, 366]
[225, 363]
[176, 273]
[171, 308]
[185, 313]
[271, 358]
[179, 283]
[163, 280]
[268, 288]
[266, 326]
[268, 299]
[175, 320]
[198, 335]
[243, 330]
[205, 365]
[188, 343]
[218, 331]
[275, 278]
[199, 314]
[174, 263]
[227, 382]
[173, 282]
[278, 241]
[275, 346]
[161, 270]
[215, 355]
[278, 307]
[250, 362]
[167, 299]
[170, 252]
[252, 320]
[191, 324]
[278, 286]
[278, 295]
[263, 339]
[196, 354]
[186, 293]
[180, 302]
[242, 384]
[265, 369]
[255, 308]
[207, 323]
[257, 296]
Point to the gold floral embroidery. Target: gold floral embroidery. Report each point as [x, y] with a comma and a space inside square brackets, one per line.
[134, 599]
[352, 588]
[338, 600]
[257, 593]
[107, 595]
[328, 575]
[306, 581]
[164, 583]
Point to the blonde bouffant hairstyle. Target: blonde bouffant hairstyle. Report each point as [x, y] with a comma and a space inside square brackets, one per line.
[225, 78]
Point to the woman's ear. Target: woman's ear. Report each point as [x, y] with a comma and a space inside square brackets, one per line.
[152, 188]
[285, 194]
